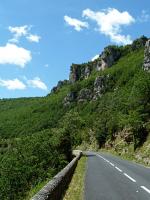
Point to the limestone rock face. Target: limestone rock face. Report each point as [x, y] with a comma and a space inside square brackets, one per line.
[80, 72]
[99, 86]
[139, 43]
[87, 72]
[71, 97]
[59, 85]
[74, 73]
[84, 95]
[146, 65]
[109, 56]
[99, 65]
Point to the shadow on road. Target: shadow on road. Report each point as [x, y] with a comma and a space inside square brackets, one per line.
[89, 155]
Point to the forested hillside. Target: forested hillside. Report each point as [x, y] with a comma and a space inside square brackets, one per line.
[104, 101]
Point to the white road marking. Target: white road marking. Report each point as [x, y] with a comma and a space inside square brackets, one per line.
[118, 169]
[129, 177]
[101, 156]
[107, 160]
[146, 189]
[111, 164]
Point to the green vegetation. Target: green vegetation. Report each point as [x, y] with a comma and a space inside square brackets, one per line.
[37, 135]
[124, 104]
[126, 151]
[76, 187]
[31, 148]
[35, 189]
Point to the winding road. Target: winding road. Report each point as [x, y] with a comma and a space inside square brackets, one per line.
[111, 178]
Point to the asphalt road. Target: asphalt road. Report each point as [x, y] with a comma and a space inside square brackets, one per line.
[111, 178]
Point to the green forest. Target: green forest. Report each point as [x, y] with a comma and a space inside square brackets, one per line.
[37, 135]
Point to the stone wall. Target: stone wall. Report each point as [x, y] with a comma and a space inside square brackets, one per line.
[54, 189]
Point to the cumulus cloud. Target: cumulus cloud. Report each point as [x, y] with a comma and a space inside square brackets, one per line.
[33, 38]
[12, 54]
[110, 22]
[23, 31]
[95, 57]
[144, 17]
[77, 24]
[14, 84]
[37, 83]
[18, 32]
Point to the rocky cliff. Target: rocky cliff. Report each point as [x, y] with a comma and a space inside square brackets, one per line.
[59, 85]
[96, 90]
[106, 59]
[146, 65]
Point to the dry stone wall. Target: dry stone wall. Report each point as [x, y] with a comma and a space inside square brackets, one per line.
[54, 189]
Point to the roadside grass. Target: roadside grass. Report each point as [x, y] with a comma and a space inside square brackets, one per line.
[75, 190]
[140, 156]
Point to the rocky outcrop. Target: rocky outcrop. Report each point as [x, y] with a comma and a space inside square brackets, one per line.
[59, 85]
[71, 97]
[98, 65]
[74, 73]
[139, 43]
[146, 65]
[80, 72]
[108, 57]
[87, 72]
[100, 86]
[85, 95]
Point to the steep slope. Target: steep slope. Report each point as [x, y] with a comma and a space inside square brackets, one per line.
[32, 149]
[105, 103]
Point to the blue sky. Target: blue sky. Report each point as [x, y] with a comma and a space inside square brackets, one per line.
[40, 39]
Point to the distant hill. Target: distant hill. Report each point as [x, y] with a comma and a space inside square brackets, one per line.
[104, 104]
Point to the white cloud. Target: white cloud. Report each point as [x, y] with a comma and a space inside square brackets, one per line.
[33, 38]
[12, 54]
[110, 21]
[77, 24]
[144, 16]
[18, 32]
[14, 84]
[37, 83]
[95, 57]
[23, 31]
